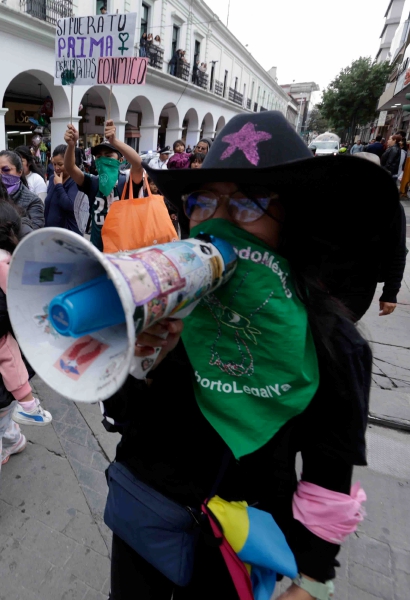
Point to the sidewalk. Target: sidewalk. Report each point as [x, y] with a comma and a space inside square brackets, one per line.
[55, 546]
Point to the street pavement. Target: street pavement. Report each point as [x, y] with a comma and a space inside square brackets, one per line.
[55, 546]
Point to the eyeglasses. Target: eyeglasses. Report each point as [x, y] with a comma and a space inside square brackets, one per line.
[202, 205]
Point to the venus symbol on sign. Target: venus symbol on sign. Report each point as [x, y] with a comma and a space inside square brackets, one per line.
[123, 38]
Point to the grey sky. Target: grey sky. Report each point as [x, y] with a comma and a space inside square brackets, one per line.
[308, 40]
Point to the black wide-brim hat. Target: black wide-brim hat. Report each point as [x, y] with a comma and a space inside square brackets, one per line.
[338, 204]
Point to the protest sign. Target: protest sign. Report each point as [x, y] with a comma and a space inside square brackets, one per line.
[82, 41]
[122, 71]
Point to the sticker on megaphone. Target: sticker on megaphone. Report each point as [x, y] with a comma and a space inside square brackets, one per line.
[89, 307]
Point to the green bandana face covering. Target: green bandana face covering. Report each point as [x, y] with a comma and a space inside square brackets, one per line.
[250, 345]
[108, 171]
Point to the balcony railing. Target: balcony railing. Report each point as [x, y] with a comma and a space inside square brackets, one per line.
[47, 10]
[249, 103]
[182, 70]
[156, 57]
[235, 96]
[219, 88]
[201, 80]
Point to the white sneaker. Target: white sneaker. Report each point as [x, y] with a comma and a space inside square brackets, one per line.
[16, 449]
[38, 416]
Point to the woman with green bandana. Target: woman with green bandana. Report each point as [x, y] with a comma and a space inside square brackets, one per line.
[106, 187]
[268, 366]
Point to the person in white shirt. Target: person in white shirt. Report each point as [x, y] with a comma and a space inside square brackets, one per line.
[161, 161]
[32, 172]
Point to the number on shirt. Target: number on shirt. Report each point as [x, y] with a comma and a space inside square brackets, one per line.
[98, 208]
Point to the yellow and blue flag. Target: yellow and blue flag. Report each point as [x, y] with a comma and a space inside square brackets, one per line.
[254, 548]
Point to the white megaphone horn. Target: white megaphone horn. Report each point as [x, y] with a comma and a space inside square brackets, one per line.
[76, 311]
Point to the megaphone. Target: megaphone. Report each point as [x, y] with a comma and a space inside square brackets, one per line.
[76, 312]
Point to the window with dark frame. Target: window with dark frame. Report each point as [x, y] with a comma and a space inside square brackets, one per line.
[211, 84]
[144, 19]
[101, 4]
[197, 52]
[175, 38]
[225, 83]
[236, 84]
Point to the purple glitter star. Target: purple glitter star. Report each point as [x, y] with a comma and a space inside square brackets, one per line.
[246, 140]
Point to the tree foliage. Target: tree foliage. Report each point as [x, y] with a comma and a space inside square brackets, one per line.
[351, 99]
[317, 121]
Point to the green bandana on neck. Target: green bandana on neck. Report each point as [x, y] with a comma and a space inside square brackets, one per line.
[108, 171]
[251, 346]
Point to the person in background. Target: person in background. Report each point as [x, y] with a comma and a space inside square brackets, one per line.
[174, 62]
[403, 138]
[101, 194]
[203, 146]
[357, 147]
[13, 370]
[32, 173]
[50, 170]
[103, 10]
[342, 149]
[376, 147]
[180, 159]
[189, 149]
[403, 158]
[80, 157]
[149, 52]
[172, 211]
[63, 202]
[143, 45]
[196, 159]
[11, 170]
[161, 161]
[391, 158]
[154, 51]
[195, 70]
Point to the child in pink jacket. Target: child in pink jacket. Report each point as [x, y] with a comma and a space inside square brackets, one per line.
[13, 370]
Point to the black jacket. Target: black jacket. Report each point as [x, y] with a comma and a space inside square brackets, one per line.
[390, 160]
[170, 444]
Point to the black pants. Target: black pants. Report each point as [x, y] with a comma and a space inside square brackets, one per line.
[133, 578]
[359, 301]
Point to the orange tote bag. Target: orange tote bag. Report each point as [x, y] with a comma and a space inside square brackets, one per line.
[137, 222]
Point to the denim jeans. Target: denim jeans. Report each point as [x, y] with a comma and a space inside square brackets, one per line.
[9, 430]
[143, 52]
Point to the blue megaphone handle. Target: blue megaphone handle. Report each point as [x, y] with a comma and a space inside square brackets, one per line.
[87, 308]
[96, 304]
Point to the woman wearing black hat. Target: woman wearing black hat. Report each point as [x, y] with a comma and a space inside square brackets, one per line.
[268, 366]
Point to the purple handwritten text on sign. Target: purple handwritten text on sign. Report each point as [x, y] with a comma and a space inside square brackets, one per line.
[122, 71]
[81, 41]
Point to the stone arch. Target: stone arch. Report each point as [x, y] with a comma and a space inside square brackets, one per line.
[141, 131]
[110, 103]
[96, 103]
[26, 82]
[220, 124]
[169, 125]
[190, 127]
[208, 126]
[58, 93]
